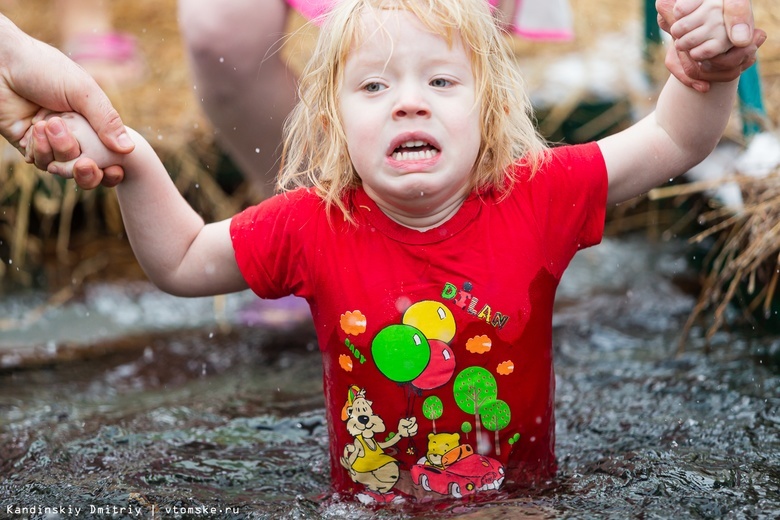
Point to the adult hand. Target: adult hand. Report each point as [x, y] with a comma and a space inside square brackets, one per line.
[698, 73]
[36, 76]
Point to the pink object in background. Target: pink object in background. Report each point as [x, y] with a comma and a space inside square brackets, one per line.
[533, 19]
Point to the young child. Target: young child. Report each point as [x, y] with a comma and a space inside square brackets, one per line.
[428, 226]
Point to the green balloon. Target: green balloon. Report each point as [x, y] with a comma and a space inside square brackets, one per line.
[401, 352]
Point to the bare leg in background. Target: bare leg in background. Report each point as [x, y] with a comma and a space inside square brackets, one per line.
[241, 80]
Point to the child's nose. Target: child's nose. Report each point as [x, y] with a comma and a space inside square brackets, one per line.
[411, 103]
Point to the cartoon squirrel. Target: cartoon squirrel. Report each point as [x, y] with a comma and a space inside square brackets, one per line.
[365, 458]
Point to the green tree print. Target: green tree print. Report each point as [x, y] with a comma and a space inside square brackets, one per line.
[432, 409]
[495, 417]
[474, 388]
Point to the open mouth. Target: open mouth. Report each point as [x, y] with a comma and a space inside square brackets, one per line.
[414, 150]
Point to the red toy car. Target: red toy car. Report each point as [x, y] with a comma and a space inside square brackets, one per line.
[463, 477]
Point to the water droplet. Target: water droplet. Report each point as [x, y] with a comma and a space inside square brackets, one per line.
[257, 150]
[221, 59]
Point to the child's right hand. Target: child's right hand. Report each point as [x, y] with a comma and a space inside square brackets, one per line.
[700, 28]
[95, 164]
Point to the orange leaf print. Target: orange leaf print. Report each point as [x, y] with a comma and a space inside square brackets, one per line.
[479, 344]
[353, 322]
[345, 362]
[505, 368]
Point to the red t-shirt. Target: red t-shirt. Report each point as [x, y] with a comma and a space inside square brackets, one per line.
[436, 345]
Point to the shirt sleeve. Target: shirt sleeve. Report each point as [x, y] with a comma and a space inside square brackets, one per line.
[269, 244]
[569, 195]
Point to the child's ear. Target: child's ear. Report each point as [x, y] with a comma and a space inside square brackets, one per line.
[324, 121]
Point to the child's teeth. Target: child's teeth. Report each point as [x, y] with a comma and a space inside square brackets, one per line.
[414, 156]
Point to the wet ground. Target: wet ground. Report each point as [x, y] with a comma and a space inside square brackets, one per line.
[138, 405]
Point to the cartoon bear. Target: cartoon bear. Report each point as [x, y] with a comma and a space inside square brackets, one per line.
[365, 459]
[438, 445]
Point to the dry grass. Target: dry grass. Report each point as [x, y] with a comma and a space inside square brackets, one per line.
[46, 222]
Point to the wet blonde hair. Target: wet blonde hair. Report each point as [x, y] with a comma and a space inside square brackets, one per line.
[315, 147]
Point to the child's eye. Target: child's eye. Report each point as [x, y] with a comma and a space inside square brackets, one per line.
[440, 82]
[373, 87]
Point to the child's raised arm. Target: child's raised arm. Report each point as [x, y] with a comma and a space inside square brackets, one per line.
[682, 131]
[177, 250]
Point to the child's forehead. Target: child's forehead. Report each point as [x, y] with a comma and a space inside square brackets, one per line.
[382, 19]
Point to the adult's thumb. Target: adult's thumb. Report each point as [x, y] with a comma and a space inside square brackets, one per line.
[91, 102]
[738, 16]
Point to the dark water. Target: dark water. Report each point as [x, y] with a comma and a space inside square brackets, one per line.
[175, 413]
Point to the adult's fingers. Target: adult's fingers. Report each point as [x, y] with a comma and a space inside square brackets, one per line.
[64, 146]
[682, 66]
[666, 18]
[37, 149]
[738, 16]
[112, 176]
[735, 61]
[87, 174]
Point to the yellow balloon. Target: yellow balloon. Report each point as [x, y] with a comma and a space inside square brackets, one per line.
[432, 319]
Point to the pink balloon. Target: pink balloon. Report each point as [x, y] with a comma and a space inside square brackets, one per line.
[439, 369]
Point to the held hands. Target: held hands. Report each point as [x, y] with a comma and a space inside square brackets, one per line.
[35, 77]
[70, 148]
[714, 39]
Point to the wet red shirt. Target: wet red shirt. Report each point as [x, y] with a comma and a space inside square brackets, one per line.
[436, 345]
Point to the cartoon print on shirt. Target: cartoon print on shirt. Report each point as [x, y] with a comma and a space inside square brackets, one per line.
[418, 354]
[440, 444]
[505, 368]
[352, 323]
[469, 303]
[452, 468]
[365, 459]
[417, 351]
[432, 409]
[479, 344]
[476, 392]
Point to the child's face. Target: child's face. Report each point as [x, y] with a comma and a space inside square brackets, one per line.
[408, 107]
